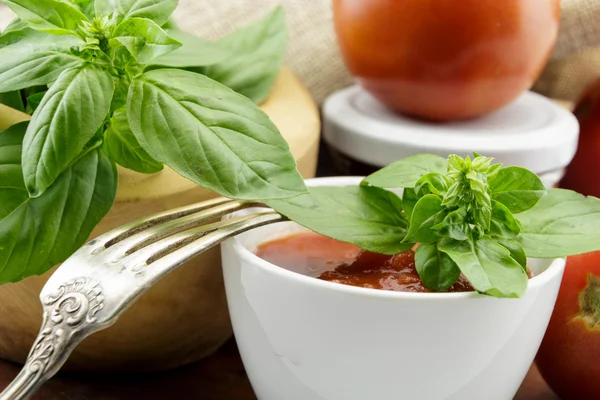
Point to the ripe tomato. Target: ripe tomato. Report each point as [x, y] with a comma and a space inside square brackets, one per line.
[582, 174]
[446, 59]
[569, 358]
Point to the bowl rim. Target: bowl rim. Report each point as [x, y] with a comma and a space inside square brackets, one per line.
[555, 268]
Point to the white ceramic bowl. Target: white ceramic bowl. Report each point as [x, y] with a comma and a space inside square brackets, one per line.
[305, 339]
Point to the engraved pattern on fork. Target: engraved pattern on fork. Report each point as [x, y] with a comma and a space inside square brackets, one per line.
[91, 289]
[76, 302]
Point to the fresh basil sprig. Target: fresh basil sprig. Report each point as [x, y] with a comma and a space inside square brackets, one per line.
[107, 83]
[467, 216]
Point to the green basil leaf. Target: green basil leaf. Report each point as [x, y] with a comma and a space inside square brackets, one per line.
[427, 212]
[194, 52]
[562, 223]
[34, 101]
[454, 226]
[144, 39]
[12, 187]
[72, 111]
[13, 99]
[258, 53]
[366, 217]
[516, 250]
[409, 201]
[121, 146]
[517, 188]
[15, 25]
[503, 223]
[30, 58]
[406, 172]
[158, 11]
[432, 183]
[211, 135]
[85, 6]
[51, 16]
[488, 266]
[436, 269]
[36, 234]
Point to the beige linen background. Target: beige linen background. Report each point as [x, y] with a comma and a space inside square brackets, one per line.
[314, 56]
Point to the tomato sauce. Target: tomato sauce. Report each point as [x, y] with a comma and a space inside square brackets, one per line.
[330, 260]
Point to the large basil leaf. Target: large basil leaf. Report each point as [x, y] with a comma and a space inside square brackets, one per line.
[562, 223]
[517, 188]
[30, 58]
[488, 265]
[121, 146]
[52, 16]
[211, 135]
[427, 213]
[258, 53]
[436, 269]
[144, 39]
[36, 234]
[406, 172]
[158, 11]
[194, 52]
[72, 111]
[368, 217]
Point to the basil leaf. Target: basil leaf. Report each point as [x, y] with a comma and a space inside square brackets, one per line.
[34, 101]
[258, 53]
[364, 216]
[36, 234]
[432, 183]
[406, 172]
[121, 146]
[194, 52]
[12, 187]
[487, 265]
[516, 250]
[427, 213]
[454, 226]
[562, 223]
[211, 135]
[409, 201]
[70, 114]
[13, 99]
[517, 188]
[436, 269]
[158, 11]
[503, 223]
[144, 39]
[51, 16]
[30, 58]
[15, 25]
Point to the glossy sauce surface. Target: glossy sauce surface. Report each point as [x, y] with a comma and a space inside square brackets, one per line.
[327, 259]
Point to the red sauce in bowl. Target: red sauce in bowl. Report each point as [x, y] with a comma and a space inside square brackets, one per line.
[327, 259]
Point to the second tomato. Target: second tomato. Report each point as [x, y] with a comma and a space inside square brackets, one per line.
[446, 59]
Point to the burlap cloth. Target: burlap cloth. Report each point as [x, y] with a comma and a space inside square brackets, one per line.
[314, 56]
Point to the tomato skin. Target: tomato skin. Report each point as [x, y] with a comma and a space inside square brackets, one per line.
[446, 59]
[582, 174]
[569, 357]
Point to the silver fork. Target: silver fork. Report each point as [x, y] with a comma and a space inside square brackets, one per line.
[90, 290]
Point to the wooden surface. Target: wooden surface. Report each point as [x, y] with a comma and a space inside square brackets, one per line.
[220, 377]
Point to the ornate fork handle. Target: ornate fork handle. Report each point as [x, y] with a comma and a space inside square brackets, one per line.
[69, 317]
[90, 290]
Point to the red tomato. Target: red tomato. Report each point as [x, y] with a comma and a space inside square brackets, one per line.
[582, 175]
[446, 59]
[569, 358]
